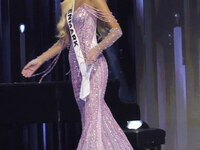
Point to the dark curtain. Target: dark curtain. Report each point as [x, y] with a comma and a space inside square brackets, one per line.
[121, 56]
[5, 51]
[40, 18]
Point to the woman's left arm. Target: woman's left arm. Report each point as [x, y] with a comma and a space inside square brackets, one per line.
[104, 14]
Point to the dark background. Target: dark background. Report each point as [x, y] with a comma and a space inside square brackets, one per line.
[40, 18]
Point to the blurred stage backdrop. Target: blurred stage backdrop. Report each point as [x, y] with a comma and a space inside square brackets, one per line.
[157, 60]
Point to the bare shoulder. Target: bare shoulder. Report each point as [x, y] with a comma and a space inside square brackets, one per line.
[95, 3]
[90, 2]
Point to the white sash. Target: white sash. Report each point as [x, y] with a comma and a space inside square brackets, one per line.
[84, 69]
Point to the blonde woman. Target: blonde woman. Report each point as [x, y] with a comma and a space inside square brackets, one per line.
[99, 129]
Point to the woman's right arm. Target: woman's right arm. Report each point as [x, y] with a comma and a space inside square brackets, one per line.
[53, 50]
[34, 64]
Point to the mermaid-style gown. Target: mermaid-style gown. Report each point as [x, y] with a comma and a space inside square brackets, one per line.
[100, 131]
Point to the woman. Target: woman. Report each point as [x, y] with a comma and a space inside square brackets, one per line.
[99, 129]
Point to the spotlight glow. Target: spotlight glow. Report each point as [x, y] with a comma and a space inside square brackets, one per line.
[134, 124]
[22, 28]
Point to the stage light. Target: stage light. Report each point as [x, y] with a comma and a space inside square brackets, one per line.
[177, 18]
[136, 124]
[44, 136]
[22, 28]
[22, 41]
[176, 15]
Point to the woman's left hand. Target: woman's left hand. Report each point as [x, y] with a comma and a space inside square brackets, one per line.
[92, 56]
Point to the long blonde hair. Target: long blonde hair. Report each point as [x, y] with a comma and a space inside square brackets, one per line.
[102, 28]
[61, 26]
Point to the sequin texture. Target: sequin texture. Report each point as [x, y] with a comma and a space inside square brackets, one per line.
[100, 131]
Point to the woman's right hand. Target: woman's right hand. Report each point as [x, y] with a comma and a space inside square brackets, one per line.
[31, 67]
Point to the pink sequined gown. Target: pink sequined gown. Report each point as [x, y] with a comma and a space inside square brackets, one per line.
[100, 131]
